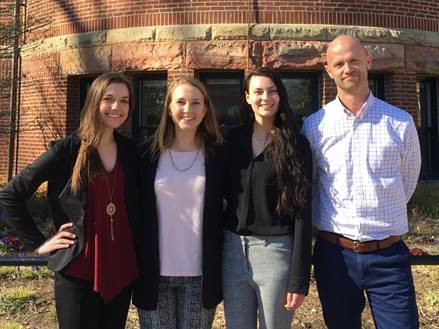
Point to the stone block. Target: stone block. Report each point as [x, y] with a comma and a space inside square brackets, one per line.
[86, 39]
[133, 34]
[407, 36]
[336, 30]
[216, 54]
[85, 60]
[374, 34]
[424, 60]
[387, 57]
[294, 54]
[260, 32]
[298, 32]
[147, 56]
[431, 38]
[183, 32]
[229, 31]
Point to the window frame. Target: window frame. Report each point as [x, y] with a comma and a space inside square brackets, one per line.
[315, 90]
[137, 112]
[428, 129]
[204, 75]
[379, 83]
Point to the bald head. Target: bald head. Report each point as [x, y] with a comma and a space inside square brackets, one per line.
[347, 63]
[345, 42]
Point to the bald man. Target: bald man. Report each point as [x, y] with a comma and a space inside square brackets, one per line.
[367, 161]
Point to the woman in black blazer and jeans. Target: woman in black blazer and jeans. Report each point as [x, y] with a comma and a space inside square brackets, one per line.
[182, 179]
[93, 196]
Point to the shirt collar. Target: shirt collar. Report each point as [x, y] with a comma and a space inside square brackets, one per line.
[365, 108]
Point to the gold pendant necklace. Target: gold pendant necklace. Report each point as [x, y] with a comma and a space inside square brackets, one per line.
[111, 207]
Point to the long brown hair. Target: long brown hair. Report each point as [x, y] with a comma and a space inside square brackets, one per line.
[208, 130]
[90, 129]
[285, 150]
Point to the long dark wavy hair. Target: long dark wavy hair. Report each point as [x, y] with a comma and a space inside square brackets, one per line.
[285, 150]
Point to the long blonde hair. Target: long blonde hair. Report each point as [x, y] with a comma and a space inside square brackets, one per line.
[90, 129]
[208, 130]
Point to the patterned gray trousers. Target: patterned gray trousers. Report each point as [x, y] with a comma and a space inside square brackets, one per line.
[179, 306]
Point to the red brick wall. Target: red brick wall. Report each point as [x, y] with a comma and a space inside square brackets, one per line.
[329, 89]
[5, 74]
[400, 89]
[73, 16]
[43, 116]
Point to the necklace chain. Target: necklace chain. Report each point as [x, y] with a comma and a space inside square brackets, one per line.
[183, 169]
[111, 207]
[110, 192]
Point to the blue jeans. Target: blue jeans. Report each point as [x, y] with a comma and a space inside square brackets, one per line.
[344, 276]
[256, 271]
[179, 306]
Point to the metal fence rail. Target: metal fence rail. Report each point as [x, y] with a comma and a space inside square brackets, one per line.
[41, 261]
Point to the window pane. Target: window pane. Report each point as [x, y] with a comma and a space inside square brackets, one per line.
[152, 94]
[84, 87]
[225, 92]
[376, 85]
[303, 92]
[299, 95]
[429, 129]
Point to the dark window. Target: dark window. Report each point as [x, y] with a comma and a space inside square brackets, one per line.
[84, 86]
[150, 95]
[376, 85]
[303, 91]
[225, 90]
[429, 130]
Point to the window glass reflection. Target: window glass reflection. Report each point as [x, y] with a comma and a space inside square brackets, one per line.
[225, 90]
[151, 99]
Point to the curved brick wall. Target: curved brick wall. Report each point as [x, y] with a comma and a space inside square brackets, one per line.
[75, 16]
[184, 37]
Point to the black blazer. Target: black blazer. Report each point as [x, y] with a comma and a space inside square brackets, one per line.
[146, 289]
[56, 166]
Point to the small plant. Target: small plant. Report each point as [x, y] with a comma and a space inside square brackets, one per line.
[8, 273]
[52, 313]
[14, 299]
[10, 244]
[37, 273]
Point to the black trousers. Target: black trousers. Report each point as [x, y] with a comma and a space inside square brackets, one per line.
[79, 307]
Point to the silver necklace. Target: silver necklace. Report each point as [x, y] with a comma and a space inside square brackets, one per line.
[183, 169]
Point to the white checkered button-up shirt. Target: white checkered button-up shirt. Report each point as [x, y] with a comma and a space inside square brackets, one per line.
[366, 169]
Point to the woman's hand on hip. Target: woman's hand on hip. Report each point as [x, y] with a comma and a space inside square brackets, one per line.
[61, 240]
[294, 301]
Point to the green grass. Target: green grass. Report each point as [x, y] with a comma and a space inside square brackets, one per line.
[37, 274]
[52, 313]
[11, 325]
[14, 299]
[8, 272]
[431, 300]
[17, 273]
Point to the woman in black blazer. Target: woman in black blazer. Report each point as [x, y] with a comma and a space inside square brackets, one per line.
[93, 196]
[182, 179]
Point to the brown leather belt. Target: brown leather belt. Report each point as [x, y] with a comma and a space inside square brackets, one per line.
[357, 246]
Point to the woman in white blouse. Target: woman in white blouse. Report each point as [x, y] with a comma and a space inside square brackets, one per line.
[182, 191]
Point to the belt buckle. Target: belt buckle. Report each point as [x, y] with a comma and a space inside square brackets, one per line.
[355, 246]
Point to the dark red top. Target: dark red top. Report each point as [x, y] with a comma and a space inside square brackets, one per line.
[110, 264]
